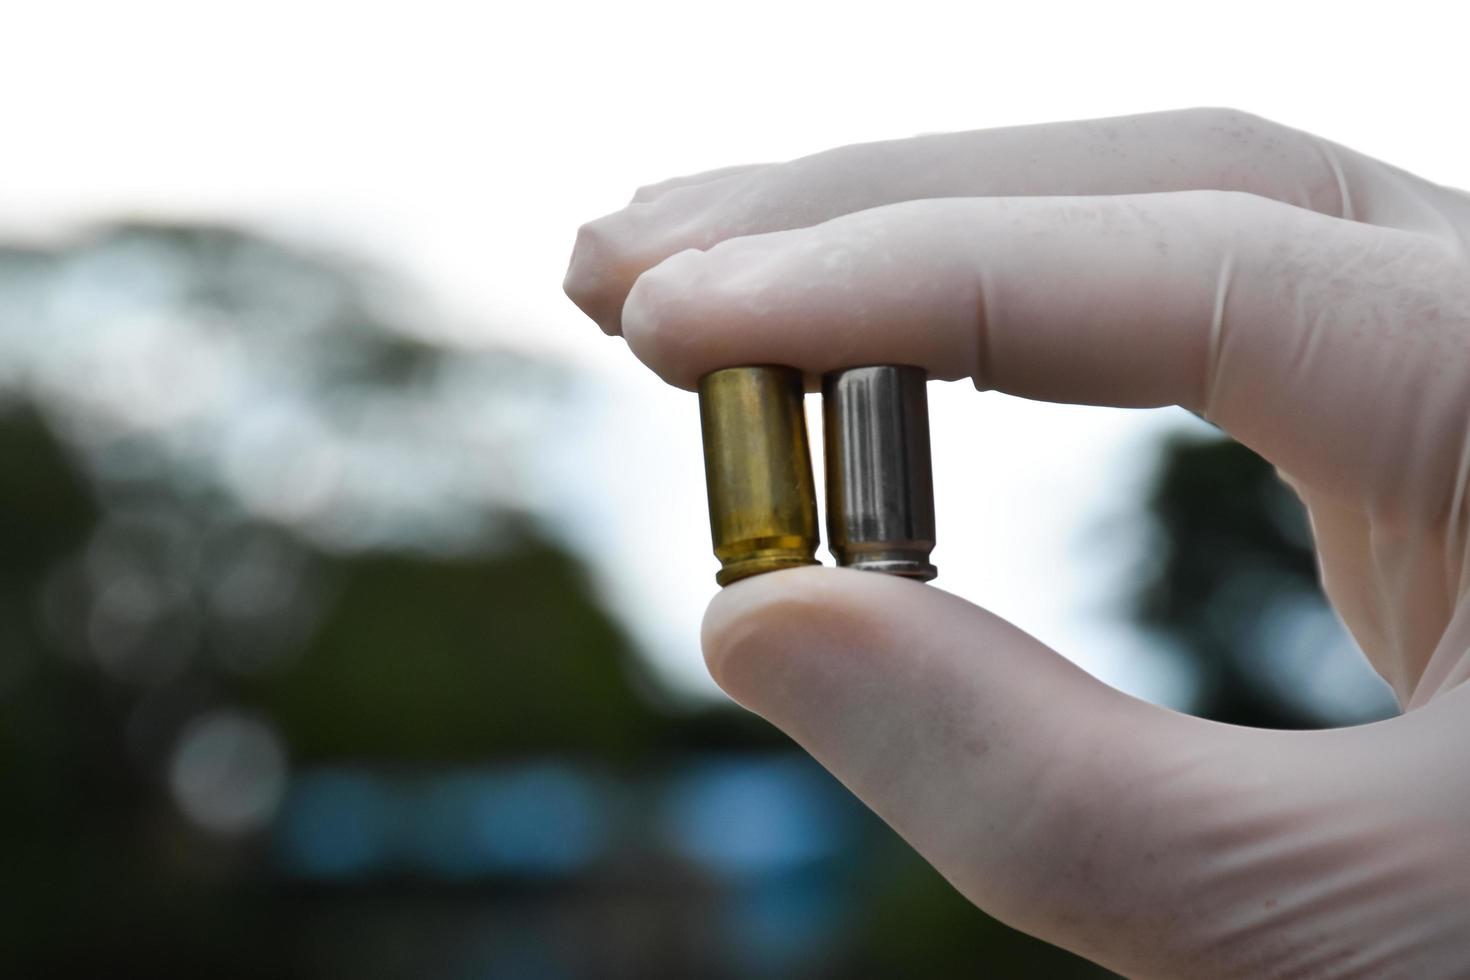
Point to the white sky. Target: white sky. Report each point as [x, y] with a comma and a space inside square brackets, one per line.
[464, 143]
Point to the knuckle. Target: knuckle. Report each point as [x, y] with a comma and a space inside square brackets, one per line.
[647, 192]
[1235, 128]
[593, 242]
[614, 240]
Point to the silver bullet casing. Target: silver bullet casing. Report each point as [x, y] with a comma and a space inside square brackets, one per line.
[880, 481]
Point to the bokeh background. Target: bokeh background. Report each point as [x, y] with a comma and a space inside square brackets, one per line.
[350, 581]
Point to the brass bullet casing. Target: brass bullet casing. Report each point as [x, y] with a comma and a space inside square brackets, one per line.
[880, 481]
[758, 471]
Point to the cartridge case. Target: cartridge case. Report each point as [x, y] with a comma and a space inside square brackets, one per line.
[880, 482]
[758, 471]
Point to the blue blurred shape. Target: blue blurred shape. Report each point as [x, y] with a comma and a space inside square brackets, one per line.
[757, 815]
[541, 820]
[438, 839]
[535, 820]
[739, 816]
[336, 823]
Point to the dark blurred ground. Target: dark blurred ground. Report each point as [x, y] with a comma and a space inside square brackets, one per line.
[294, 683]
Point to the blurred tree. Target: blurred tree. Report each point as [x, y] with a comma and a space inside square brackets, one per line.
[1232, 588]
[455, 660]
[235, 486]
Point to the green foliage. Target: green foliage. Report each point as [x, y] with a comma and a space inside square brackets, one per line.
[454, 660]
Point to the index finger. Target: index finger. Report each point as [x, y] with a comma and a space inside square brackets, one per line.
[1277, 323]
[1195, 149]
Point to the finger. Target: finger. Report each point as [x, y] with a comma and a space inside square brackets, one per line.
[1143, 839]
[974, 741]
[1197, 149]
[1274, 322]
[652, 192]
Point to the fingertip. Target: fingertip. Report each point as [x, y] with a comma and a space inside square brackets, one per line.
[657, 319]
[739, 617]
[754, 629]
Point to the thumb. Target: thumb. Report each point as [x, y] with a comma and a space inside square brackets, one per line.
[1005, 765]
[1154, 843]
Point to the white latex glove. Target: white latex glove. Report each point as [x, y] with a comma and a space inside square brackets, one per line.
[1313, 302]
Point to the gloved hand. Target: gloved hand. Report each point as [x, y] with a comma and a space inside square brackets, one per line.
[1313, 302]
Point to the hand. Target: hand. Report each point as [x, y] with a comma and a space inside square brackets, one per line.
[1311, 301]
